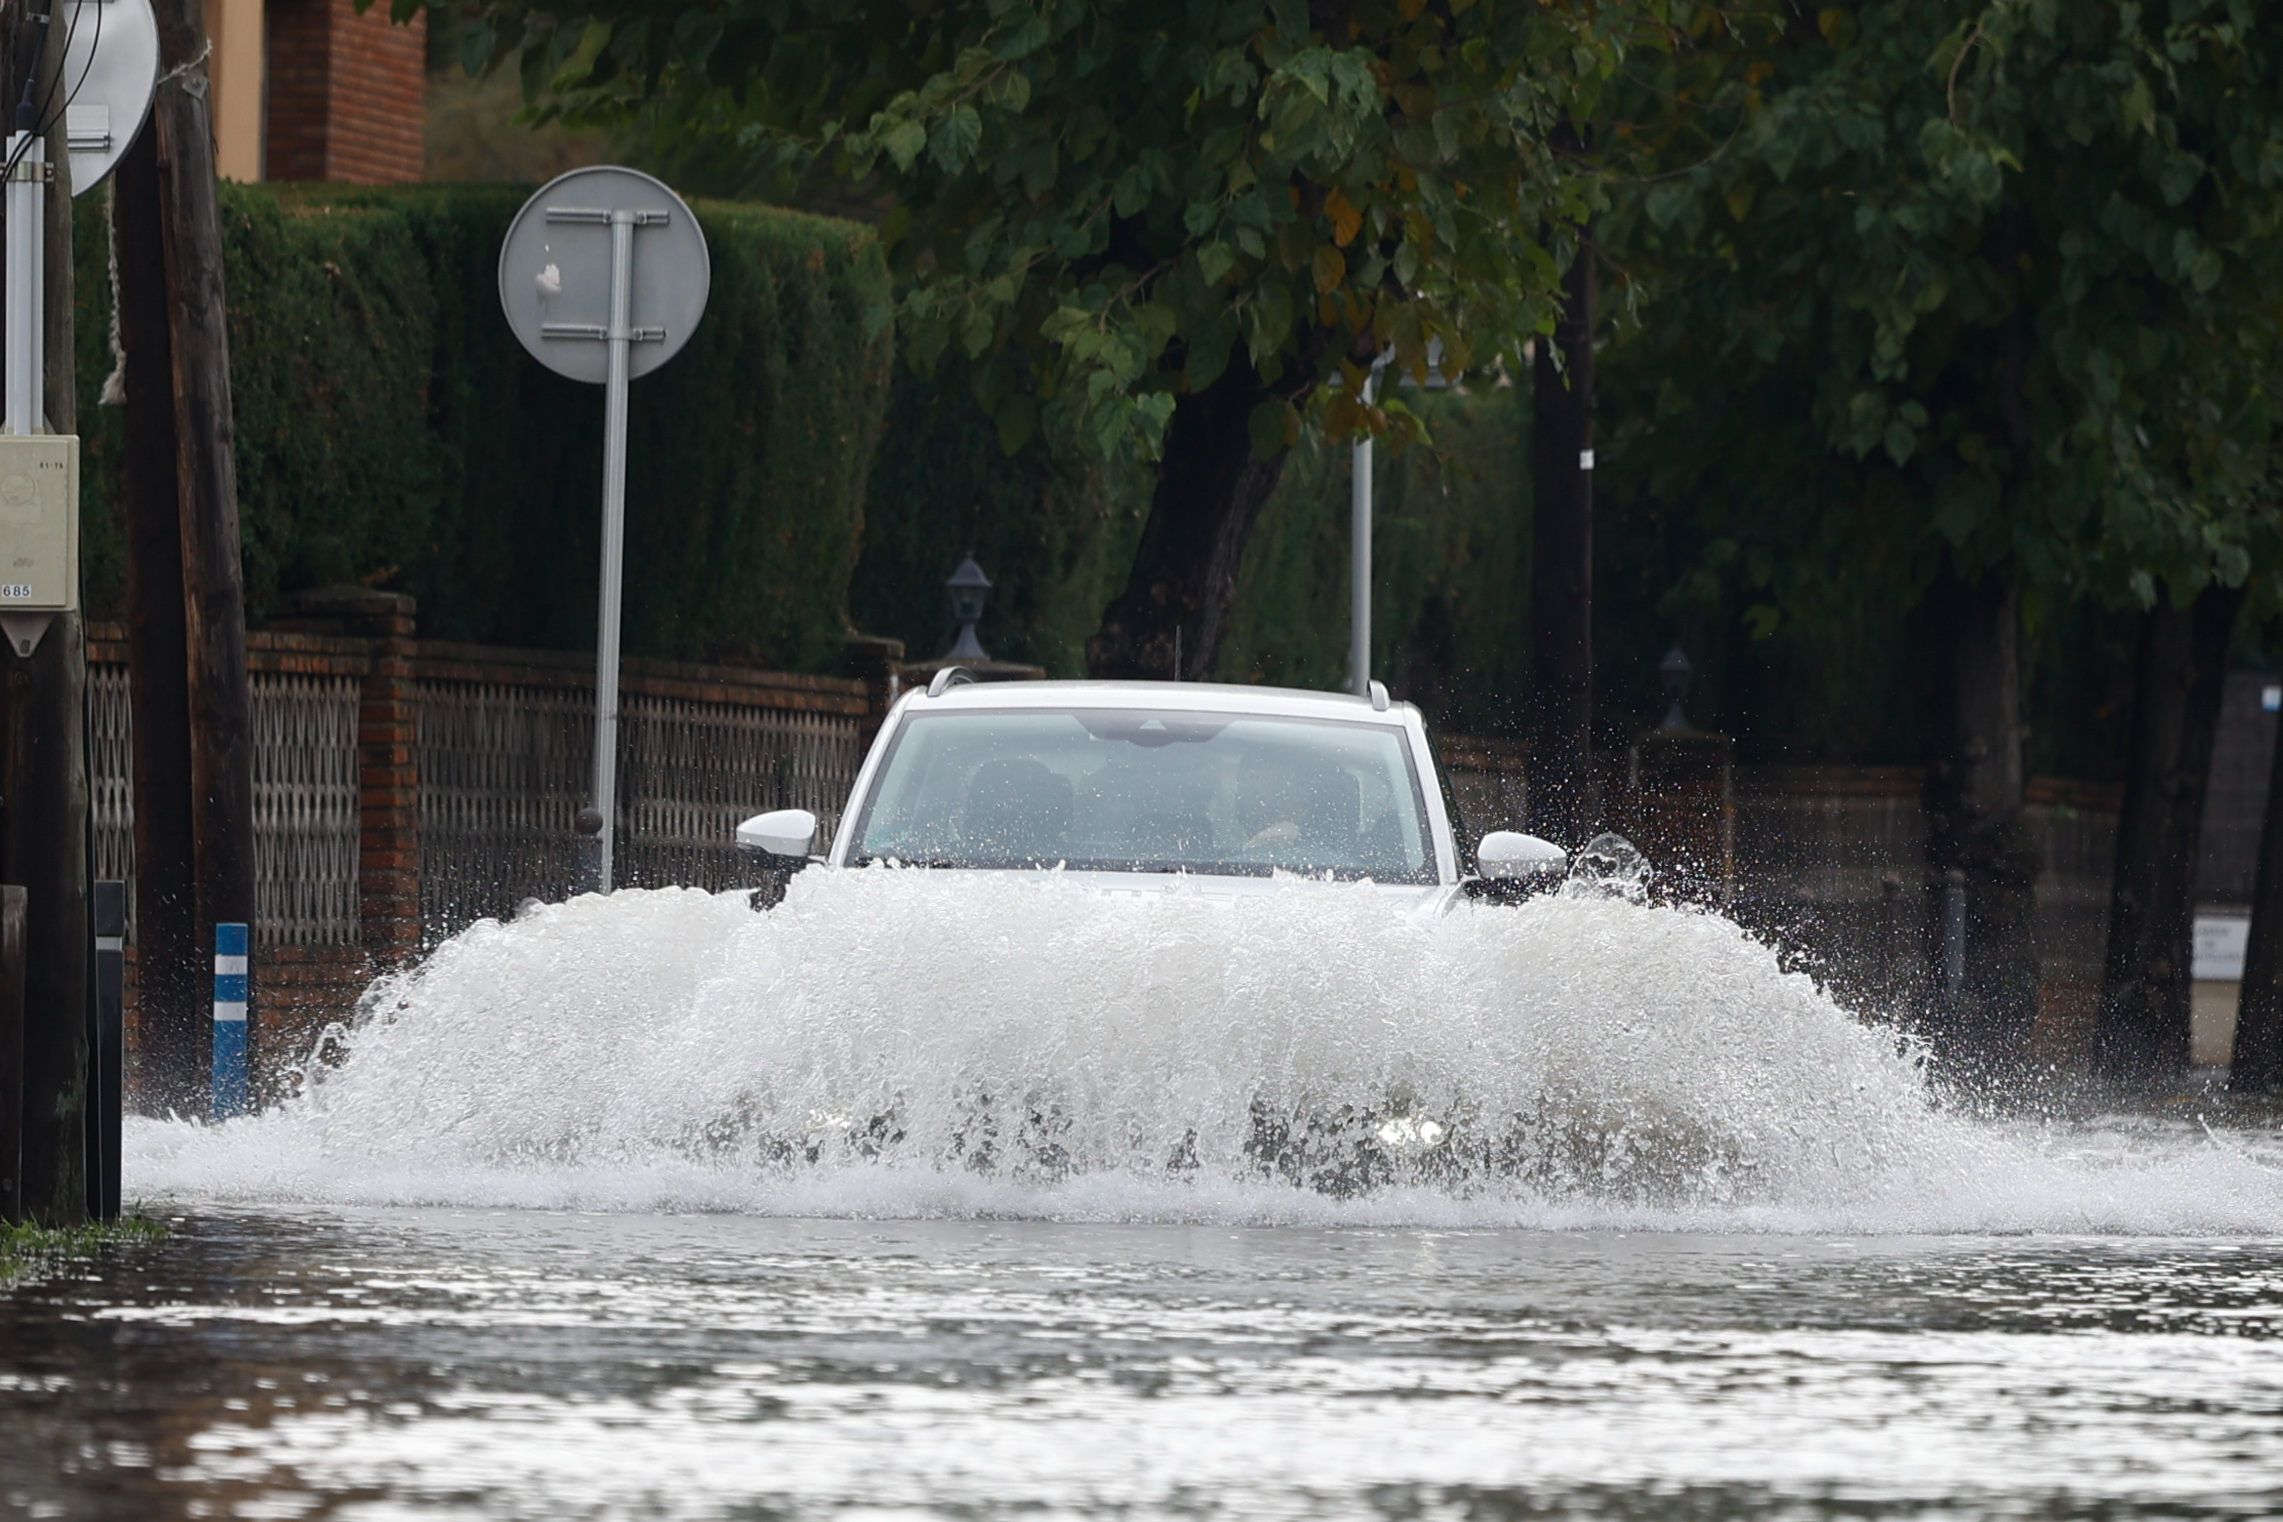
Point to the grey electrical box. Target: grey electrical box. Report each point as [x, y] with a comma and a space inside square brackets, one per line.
[39, 523]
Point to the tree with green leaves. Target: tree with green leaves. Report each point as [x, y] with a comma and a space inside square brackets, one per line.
[1980, 298]
[1178, 232]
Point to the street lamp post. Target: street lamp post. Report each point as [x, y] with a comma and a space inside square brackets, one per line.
[1359, 543]
[1359, 521]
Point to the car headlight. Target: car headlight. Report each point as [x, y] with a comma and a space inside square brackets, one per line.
[1411, 1133]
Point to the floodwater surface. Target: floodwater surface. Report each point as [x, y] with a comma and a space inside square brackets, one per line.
[920, 1198]
[381, 1363]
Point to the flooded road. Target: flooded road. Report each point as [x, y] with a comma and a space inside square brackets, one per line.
[369, 1363]
[998, 1200]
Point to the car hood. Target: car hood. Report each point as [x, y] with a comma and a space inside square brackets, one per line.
[1202, 885]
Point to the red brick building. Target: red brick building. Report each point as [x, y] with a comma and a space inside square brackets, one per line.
[317, 90]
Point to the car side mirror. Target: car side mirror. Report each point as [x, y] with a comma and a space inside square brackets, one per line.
[781, 832]
[1511, 856]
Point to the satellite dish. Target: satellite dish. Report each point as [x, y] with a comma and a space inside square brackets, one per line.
[110, 70]
[555, 272]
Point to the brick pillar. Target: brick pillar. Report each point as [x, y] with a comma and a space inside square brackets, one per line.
[388, 790]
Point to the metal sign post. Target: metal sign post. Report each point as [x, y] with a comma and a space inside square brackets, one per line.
[39, 572]
[109, 68]
[606, 309]
[28, 179]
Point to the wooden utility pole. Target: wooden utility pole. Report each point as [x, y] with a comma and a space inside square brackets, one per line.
[201, 761]
[44, 830]
[174, 988]
[1563, 804]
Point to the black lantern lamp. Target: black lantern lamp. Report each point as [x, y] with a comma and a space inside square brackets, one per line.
[1675, 672]
[969, 589]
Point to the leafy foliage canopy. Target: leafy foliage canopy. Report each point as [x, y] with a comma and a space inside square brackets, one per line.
[1103, 201]
[1990, 282]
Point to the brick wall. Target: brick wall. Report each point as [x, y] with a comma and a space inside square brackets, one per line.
[365, 639]
[347, 93]
[300, 990]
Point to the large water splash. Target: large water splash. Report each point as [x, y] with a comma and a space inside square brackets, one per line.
[894, 1042]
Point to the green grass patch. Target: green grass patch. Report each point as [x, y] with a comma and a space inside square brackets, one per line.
[22, 1247]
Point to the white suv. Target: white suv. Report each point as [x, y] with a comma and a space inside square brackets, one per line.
[1139, 785]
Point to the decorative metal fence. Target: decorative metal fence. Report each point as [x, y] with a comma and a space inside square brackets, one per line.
[305, 809]
[693, 770]
[501, 745]
[504, 771]
[111, 777]
[305, 800]
[501, 781]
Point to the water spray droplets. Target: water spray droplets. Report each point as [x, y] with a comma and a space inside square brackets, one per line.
[918, 1042]
[1608, 866]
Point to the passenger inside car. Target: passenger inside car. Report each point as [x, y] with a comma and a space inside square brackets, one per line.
[1016, 810]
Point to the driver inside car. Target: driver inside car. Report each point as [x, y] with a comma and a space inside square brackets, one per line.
[1297, 813]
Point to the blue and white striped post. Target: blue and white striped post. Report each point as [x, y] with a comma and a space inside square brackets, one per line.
[230, 1047]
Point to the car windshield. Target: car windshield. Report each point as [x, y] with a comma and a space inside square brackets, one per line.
[1135, 791]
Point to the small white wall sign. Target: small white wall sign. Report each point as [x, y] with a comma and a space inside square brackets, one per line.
[2220, 943]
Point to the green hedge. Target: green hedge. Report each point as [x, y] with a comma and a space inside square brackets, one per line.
[1057, 536]
[1054, 534]
[1450, 567]
[392, 432]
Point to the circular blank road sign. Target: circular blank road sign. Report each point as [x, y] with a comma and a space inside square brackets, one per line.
[554, 272]
[110, 69]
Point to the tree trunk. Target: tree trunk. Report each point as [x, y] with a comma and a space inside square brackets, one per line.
[1562, 802]
[174, 1046]
[1978, 826]
[206, 473]
[2142, 1032]
[2258, 1064]
[1211, 485]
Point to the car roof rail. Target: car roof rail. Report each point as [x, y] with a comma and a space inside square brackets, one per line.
[948, 677]
[1379, 697]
